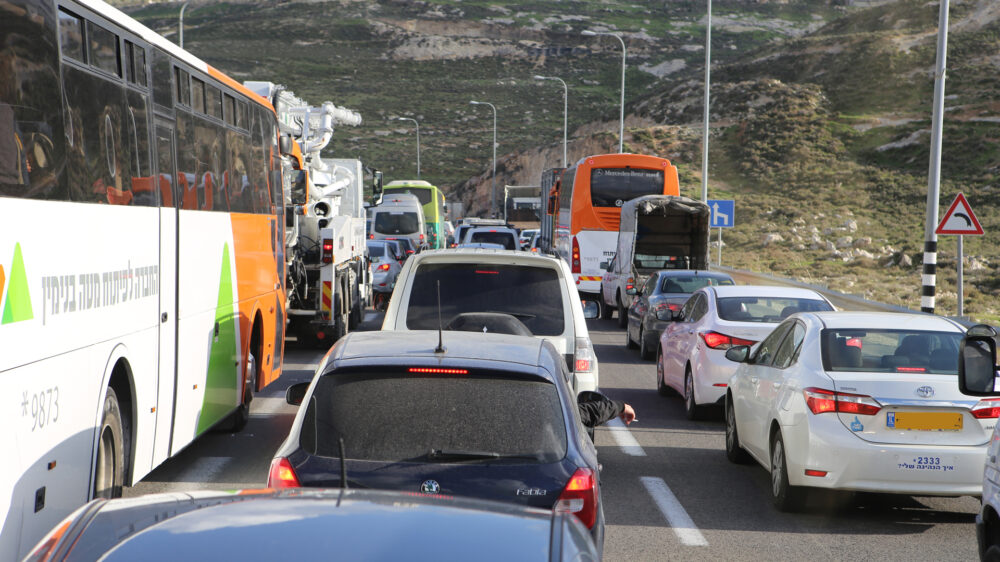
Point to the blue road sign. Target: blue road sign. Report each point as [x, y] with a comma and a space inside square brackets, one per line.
[723, 213]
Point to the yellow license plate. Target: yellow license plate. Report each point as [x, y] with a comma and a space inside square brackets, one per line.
[924, 421]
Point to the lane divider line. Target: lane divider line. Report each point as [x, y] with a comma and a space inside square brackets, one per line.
[624, 438]
[673, 511]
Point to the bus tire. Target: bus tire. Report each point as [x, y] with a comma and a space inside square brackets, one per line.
[239, 418]
[109, 472]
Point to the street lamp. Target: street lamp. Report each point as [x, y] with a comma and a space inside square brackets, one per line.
[493, 191]
[565, 108]
[415, 123]
[704, 134]
[621, 128]
[181, 24]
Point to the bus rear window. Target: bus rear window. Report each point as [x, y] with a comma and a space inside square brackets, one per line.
[610, 187]
[423, 195]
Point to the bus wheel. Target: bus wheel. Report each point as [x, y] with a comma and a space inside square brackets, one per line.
[239, 418]
[109, 474]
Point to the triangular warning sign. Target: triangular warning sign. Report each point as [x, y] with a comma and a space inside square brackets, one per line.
[960, 219]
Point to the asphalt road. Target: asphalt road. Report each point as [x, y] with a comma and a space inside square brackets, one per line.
[669, 492]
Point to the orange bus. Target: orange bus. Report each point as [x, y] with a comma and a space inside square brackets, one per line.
[587, 210]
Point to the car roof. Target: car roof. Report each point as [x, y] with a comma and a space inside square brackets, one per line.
[723, 291]
[695, 272]
[887, 321]
[392, 348]
[492, 228]
[476, 255]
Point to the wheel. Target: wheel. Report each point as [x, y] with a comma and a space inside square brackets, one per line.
[661, 385]
[109, 474]
[606, 311]
[735, 453]
[340, 322]
[691, 408]
[622, 313]
[629, 344]
[356, 314]
[992, 554]
[239, 418]
[784, 496]
[644, 352]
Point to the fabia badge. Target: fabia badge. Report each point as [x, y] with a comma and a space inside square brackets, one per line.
[430, 487]
[925, 391]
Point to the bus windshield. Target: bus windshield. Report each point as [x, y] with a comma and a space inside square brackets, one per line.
[610, 187]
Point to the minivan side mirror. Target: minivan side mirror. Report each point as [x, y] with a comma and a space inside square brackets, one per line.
[977, 363]
[296, 393]
[591, 309]
[738, 353]
[285, 144]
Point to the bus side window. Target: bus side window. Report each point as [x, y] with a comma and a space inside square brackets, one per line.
[162, 81]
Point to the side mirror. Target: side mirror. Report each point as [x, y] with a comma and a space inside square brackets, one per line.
[591, 309]
[296, 393]
[666, 315]
[977, 362]
[738, 353]
[631, 291]
[675, 315]
[376, 198]
[285, 144]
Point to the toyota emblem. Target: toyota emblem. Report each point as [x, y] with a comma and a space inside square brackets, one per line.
[430, 487]
[925, 391]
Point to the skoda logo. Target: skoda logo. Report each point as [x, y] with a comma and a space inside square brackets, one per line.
[925, 391]
[430, 487]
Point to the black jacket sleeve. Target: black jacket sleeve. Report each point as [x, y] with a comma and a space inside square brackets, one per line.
[596, 412]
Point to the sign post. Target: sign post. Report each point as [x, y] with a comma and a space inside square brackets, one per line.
[961, 221]
[723, 216]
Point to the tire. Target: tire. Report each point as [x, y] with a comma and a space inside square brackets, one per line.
[622, 313]
[735, 453]
[606, 311]
[239, 418]
[691, 408]
[644, 352]
[661, 387]
[109, 472]
[340, 323]
[992, 554]
[629, 344]
[784, 496]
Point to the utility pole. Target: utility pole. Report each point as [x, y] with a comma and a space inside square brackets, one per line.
[704, 134]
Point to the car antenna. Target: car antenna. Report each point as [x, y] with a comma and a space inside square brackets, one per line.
[440, 347]
[343, 465]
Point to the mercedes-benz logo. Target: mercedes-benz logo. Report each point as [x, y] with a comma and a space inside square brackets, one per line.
[430, 487]
[925, 391]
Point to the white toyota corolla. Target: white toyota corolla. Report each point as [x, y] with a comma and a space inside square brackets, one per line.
[864, 401]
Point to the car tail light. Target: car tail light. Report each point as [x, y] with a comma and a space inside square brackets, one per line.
[282, 475]
[630, 284]
[327, 250]
[580, 497]
[665, 310]
[987, 408]
[854, 342]
[421, 237]
[383, 267]
[821, 401]
[818, 473]
[584, 356]
[371, 236]
[715, 340]
[575, 264]
[438, 371]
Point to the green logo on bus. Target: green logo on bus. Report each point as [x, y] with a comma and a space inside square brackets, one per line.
[17, 305]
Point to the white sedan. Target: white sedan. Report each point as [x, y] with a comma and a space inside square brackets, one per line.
[691, 357]
[862, 401]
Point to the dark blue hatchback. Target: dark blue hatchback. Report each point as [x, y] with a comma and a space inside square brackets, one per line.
[491, 416]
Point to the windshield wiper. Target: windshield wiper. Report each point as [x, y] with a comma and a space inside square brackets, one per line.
[442, 455]
[518, 315]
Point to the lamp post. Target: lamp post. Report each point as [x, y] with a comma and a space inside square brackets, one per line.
[417, 125]
[181, 24]
[493, 190]
[704, 134]
[621, 127]
[565, 108]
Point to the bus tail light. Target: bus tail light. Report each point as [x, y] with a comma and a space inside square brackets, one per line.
[282, 475]
[821, 401]
[580, 497]
[575, 264]
[327, 250]
[583, 356]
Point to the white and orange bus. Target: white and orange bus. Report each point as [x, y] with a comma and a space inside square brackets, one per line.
[587, 204]
[141, 266]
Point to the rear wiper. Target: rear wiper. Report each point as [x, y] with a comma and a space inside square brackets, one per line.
[518, 315]
[441, 455]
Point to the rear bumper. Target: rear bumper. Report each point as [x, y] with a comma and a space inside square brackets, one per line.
[710, 369]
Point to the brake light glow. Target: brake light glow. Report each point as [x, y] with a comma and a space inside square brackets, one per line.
[282, 475]
[383, 267]
[854, 342]
[580, 497]
[439, 371]
[821, 401]
[630, 284]
[487, 272]
[575, 262]
[987, 408]
[421, 237]
[327, 250]
[583, 356]
[715, 340]
[911, 370]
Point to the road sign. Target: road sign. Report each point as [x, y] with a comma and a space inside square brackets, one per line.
[723, 213]
[960, 219]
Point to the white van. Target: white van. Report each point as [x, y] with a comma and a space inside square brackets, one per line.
[399, 216]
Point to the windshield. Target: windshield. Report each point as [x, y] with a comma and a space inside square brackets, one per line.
[396, 222]
[766, 309]
[891, 351]
[531, 294]
[610, 187]
[505, 239]
[400, 416]
[376, 250]
[689, 283]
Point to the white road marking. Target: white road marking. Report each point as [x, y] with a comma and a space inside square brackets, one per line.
[673, 511]
[265, 406]
[624, 438]
[199, 475]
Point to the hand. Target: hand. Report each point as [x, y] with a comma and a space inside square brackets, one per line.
[628, 415]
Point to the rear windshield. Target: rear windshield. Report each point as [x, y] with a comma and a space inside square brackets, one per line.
[376, 250]
[505, 239]
[395, 417]
[389, 222]
[766, 309]
[610, 187]
[690, 283]
[531, 294]
[891, 351]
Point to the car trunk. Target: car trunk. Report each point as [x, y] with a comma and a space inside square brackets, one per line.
[907, 418]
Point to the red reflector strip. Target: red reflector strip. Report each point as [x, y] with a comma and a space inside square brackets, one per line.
[721, 384]
[439, 370]
[819, 473]
[484, 271]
